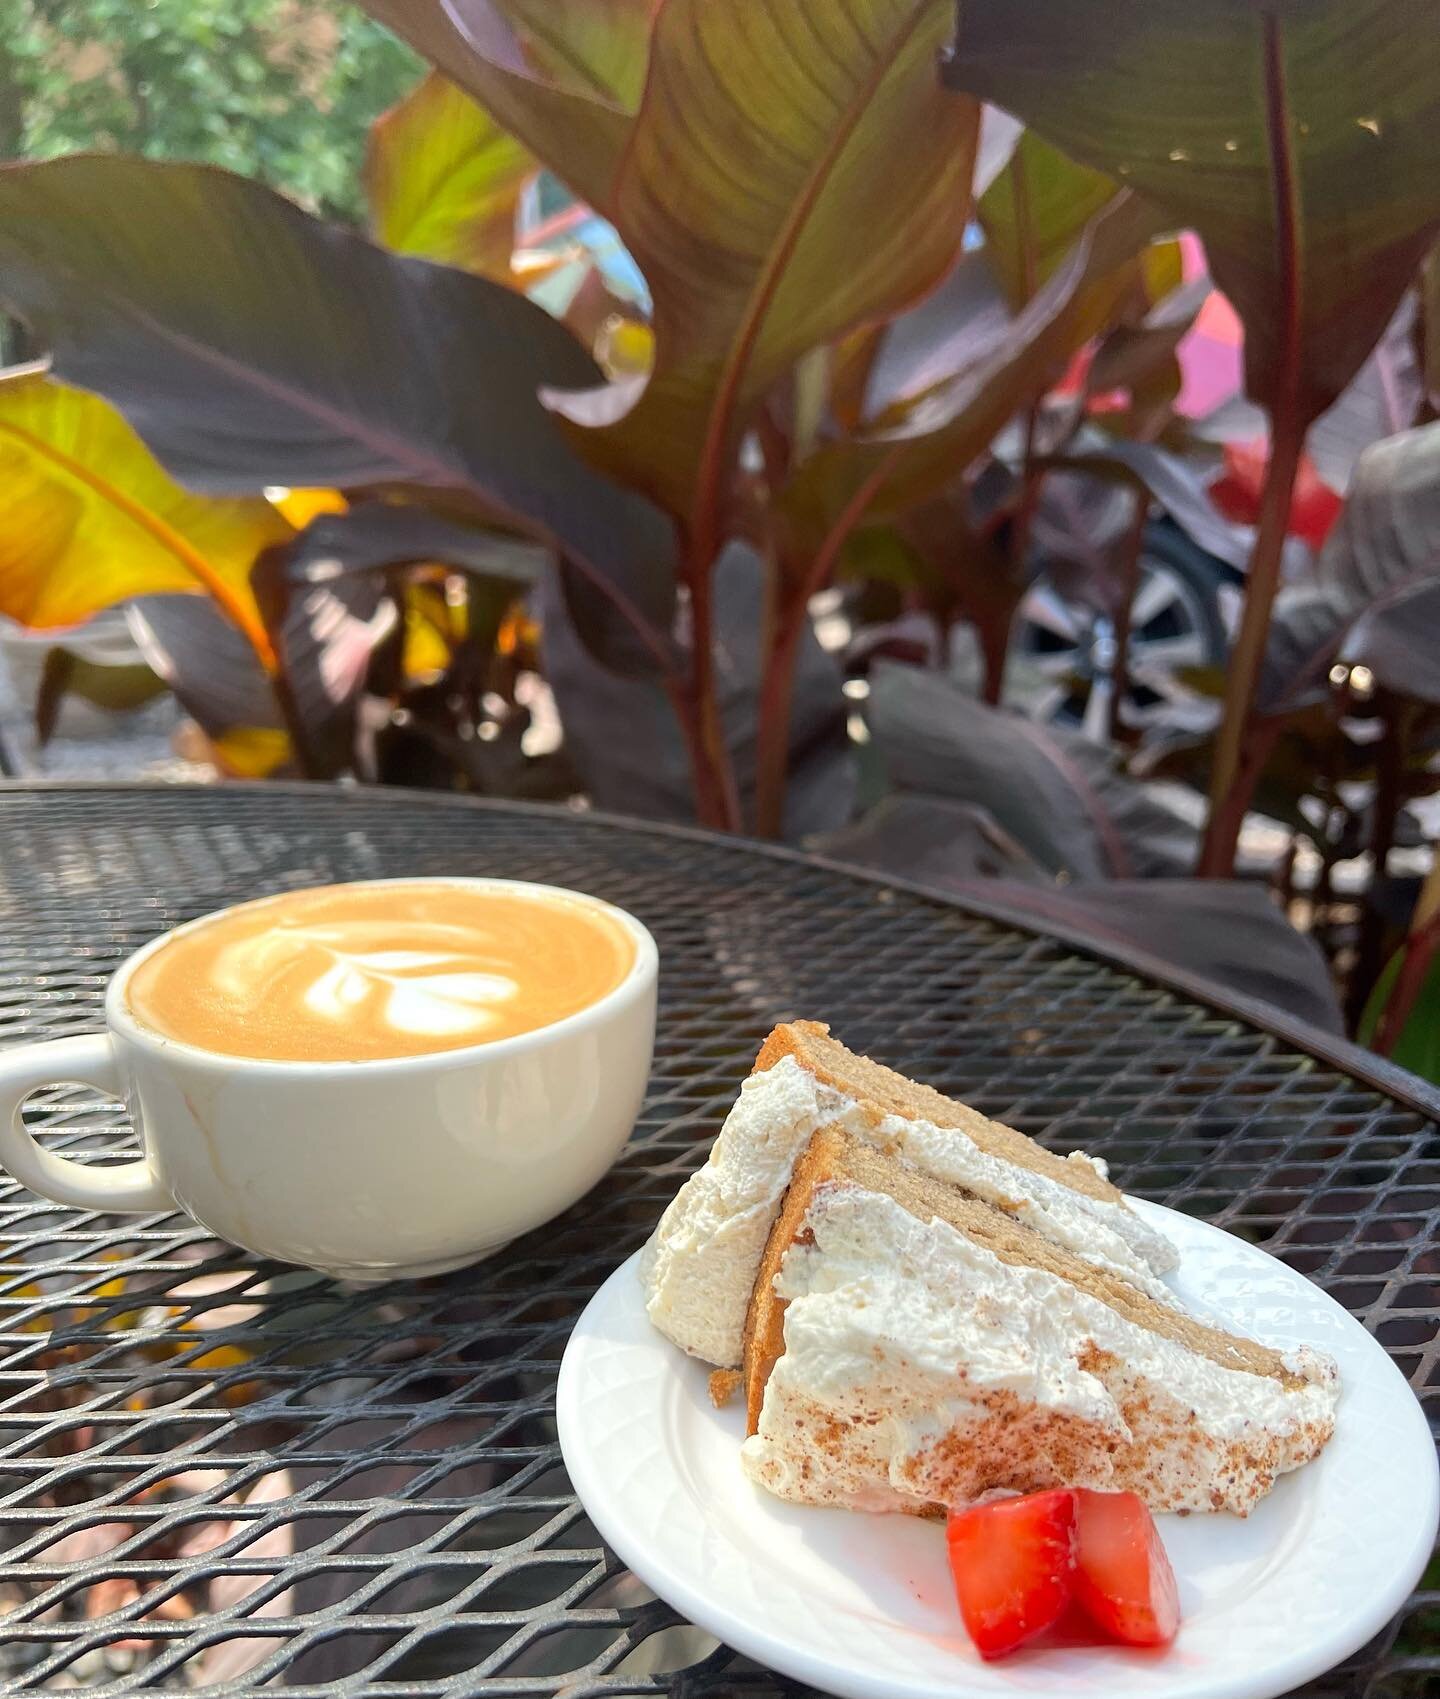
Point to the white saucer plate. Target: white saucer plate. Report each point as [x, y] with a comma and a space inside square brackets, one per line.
[861, 1606]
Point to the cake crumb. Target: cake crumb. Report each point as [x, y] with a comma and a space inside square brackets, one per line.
[723, 1383]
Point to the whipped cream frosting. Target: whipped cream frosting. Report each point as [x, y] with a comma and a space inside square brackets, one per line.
[897, 1329]
[699, 1265]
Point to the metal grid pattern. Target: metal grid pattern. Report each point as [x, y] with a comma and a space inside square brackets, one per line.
[225, 1475]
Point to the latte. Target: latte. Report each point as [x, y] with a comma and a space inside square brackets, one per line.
[359, 973]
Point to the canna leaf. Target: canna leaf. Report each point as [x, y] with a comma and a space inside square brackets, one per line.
[760, 196]
[251, 345]
[443, 180]
[1034, 213]
[1299, 141]
[92, 519]
[562, 79]
[955, 421]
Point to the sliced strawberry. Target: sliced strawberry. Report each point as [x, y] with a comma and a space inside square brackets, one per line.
[1013, 1562]
[1123, 1579]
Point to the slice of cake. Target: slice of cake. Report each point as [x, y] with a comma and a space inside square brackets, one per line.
[700, 1263]
[909, 1347]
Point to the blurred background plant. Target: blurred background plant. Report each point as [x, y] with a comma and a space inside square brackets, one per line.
[281, 90]
[726, 417]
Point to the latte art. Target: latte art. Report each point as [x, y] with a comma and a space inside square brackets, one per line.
[361, 972]
[341, 974]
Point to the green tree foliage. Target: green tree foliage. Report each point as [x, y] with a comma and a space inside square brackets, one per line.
[279, 90]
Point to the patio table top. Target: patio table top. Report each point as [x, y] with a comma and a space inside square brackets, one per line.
[223, 1473]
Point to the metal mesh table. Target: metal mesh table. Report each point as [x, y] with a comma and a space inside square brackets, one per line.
[228, 1475]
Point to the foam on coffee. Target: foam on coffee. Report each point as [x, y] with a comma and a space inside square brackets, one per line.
[355, 973]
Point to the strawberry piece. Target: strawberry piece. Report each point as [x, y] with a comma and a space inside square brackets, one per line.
[1013, 1563]
[1123, 1579]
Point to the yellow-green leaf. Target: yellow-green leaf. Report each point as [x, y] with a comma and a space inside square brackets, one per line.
[1034, 212]
[429, 633]
[1162, 269]
[299, 507]
[562, 78]
[443, 180]
[795, 169]
[250, 752]
[91, 518]
[596, 47]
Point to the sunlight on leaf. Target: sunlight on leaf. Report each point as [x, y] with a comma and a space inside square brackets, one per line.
[299, 507]
[443, 180]
[428, 634]
[250, 752]
[1162, 269]
[563, 81]
[1034, 212]
[92, 519]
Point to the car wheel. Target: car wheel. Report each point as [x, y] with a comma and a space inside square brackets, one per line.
[1067, 649]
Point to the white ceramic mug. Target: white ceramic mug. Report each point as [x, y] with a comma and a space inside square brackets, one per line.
[367, 1170]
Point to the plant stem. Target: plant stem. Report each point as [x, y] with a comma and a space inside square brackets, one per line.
[1120, 672]
[1284, 881]
[994, 639]
[1420, 948]
[774, 448]
[792, 610]
[1324, 893]
[1287, 439]
[1420, 945]
[1428, 904]
[1230, 817]
[1233, 778]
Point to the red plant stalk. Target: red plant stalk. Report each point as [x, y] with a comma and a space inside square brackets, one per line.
[1287, 440]
[1262, 736]
[776, 685]
[1233, 777]
[1420, 948]
[994, 638]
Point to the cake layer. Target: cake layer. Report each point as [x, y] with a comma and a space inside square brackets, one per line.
[699, 1265]
[885, 1092]
[931, 1350]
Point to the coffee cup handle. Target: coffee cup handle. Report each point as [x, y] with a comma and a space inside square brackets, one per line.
[88, 1060]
